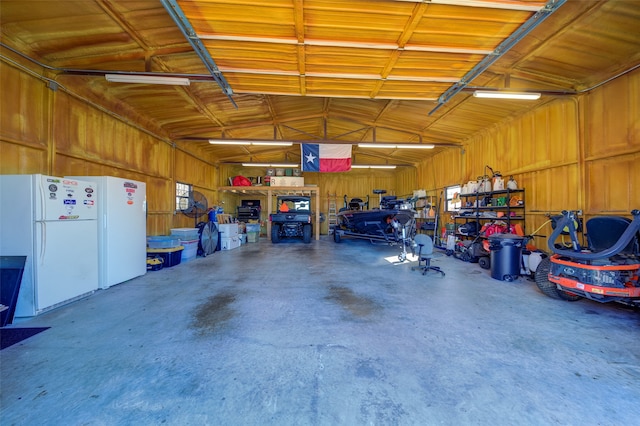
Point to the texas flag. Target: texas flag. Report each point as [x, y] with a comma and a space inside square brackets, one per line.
[325, 157]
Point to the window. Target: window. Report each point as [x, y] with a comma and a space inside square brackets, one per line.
[302, 206]
[183, 192]
[452, 198]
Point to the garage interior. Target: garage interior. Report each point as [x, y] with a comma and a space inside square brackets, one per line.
[349, 335]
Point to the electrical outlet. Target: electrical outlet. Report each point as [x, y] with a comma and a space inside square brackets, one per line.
[579, 212]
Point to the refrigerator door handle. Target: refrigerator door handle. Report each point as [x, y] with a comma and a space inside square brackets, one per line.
[43, 240]
[43, 201]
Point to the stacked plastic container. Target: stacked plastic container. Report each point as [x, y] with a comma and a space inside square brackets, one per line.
[166, 247]
[189, 238]
[253, 232]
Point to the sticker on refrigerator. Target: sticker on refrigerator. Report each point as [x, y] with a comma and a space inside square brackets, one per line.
[70, 202]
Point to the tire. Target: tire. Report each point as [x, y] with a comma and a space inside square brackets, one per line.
[336, 236]
[542, 279]
[485, 262]
[306, 233]
[275, 233]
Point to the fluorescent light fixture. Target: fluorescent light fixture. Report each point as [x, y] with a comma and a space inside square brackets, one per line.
[147, 79]
[376, 145]
[506, 95]
[415, 146]
[373, 166]
[245, 142]
[292, 165]
[398, 146]
[272, 143]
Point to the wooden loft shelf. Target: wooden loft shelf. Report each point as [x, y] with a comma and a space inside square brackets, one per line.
[270, 191]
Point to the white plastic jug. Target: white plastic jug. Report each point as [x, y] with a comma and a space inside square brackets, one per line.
[534, 260]
[512, 184]
[485, 186]
[498, 182]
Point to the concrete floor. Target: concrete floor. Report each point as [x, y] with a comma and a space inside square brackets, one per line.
[324, 334]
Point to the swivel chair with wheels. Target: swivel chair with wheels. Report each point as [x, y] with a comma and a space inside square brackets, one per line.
[425, 254]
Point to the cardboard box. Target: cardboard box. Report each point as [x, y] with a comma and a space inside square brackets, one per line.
[286, 181]
[230, 243]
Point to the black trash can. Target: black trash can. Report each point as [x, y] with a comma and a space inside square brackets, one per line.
[506, 255]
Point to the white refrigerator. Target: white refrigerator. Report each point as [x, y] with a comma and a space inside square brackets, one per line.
[53, 222]
[122, 228]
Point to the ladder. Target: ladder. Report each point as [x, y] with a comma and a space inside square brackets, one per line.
[332, 212]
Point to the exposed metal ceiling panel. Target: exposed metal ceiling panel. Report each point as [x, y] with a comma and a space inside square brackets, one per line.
[313, 69]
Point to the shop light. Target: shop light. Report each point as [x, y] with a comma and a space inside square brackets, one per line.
[373, 166]
[283, 165]
[147, 79]
[397, 146]
[506, 95]
[247, 142]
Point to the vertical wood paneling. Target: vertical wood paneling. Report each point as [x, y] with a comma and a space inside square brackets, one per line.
[614, 185]
[20, 159]
[23, 107]
[541, 148]
[613, 118]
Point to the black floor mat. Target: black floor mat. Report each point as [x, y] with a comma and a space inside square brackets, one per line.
[11, 336]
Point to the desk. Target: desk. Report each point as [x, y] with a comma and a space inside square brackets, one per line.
[271, 191]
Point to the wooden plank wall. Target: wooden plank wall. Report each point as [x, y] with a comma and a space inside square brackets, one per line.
[572, 153]
[577, 152]
[353, 184]
[59, 133]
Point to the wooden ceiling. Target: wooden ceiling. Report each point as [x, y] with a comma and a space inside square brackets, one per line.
[323, 71]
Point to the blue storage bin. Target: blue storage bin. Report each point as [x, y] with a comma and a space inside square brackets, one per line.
[162, 241]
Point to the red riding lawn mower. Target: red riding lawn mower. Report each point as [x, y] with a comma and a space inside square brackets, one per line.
[607, 270]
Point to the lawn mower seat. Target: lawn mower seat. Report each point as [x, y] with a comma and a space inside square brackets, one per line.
[604, 231]
[425, 254]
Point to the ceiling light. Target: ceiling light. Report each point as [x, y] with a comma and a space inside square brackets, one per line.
[415, 146]
[292, 165]
[373, 166]
[506, 95]
[272, 143]
[147, 79]
[245, 142]
[397, 146]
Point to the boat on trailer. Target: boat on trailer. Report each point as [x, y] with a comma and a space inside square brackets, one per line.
[392, 223]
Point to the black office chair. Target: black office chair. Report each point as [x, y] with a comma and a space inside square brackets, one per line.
[425, 254]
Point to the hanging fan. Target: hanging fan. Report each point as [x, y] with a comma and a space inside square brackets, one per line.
[195, 206]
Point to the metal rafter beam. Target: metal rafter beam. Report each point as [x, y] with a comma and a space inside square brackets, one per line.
[189, 32]
[522, 31]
